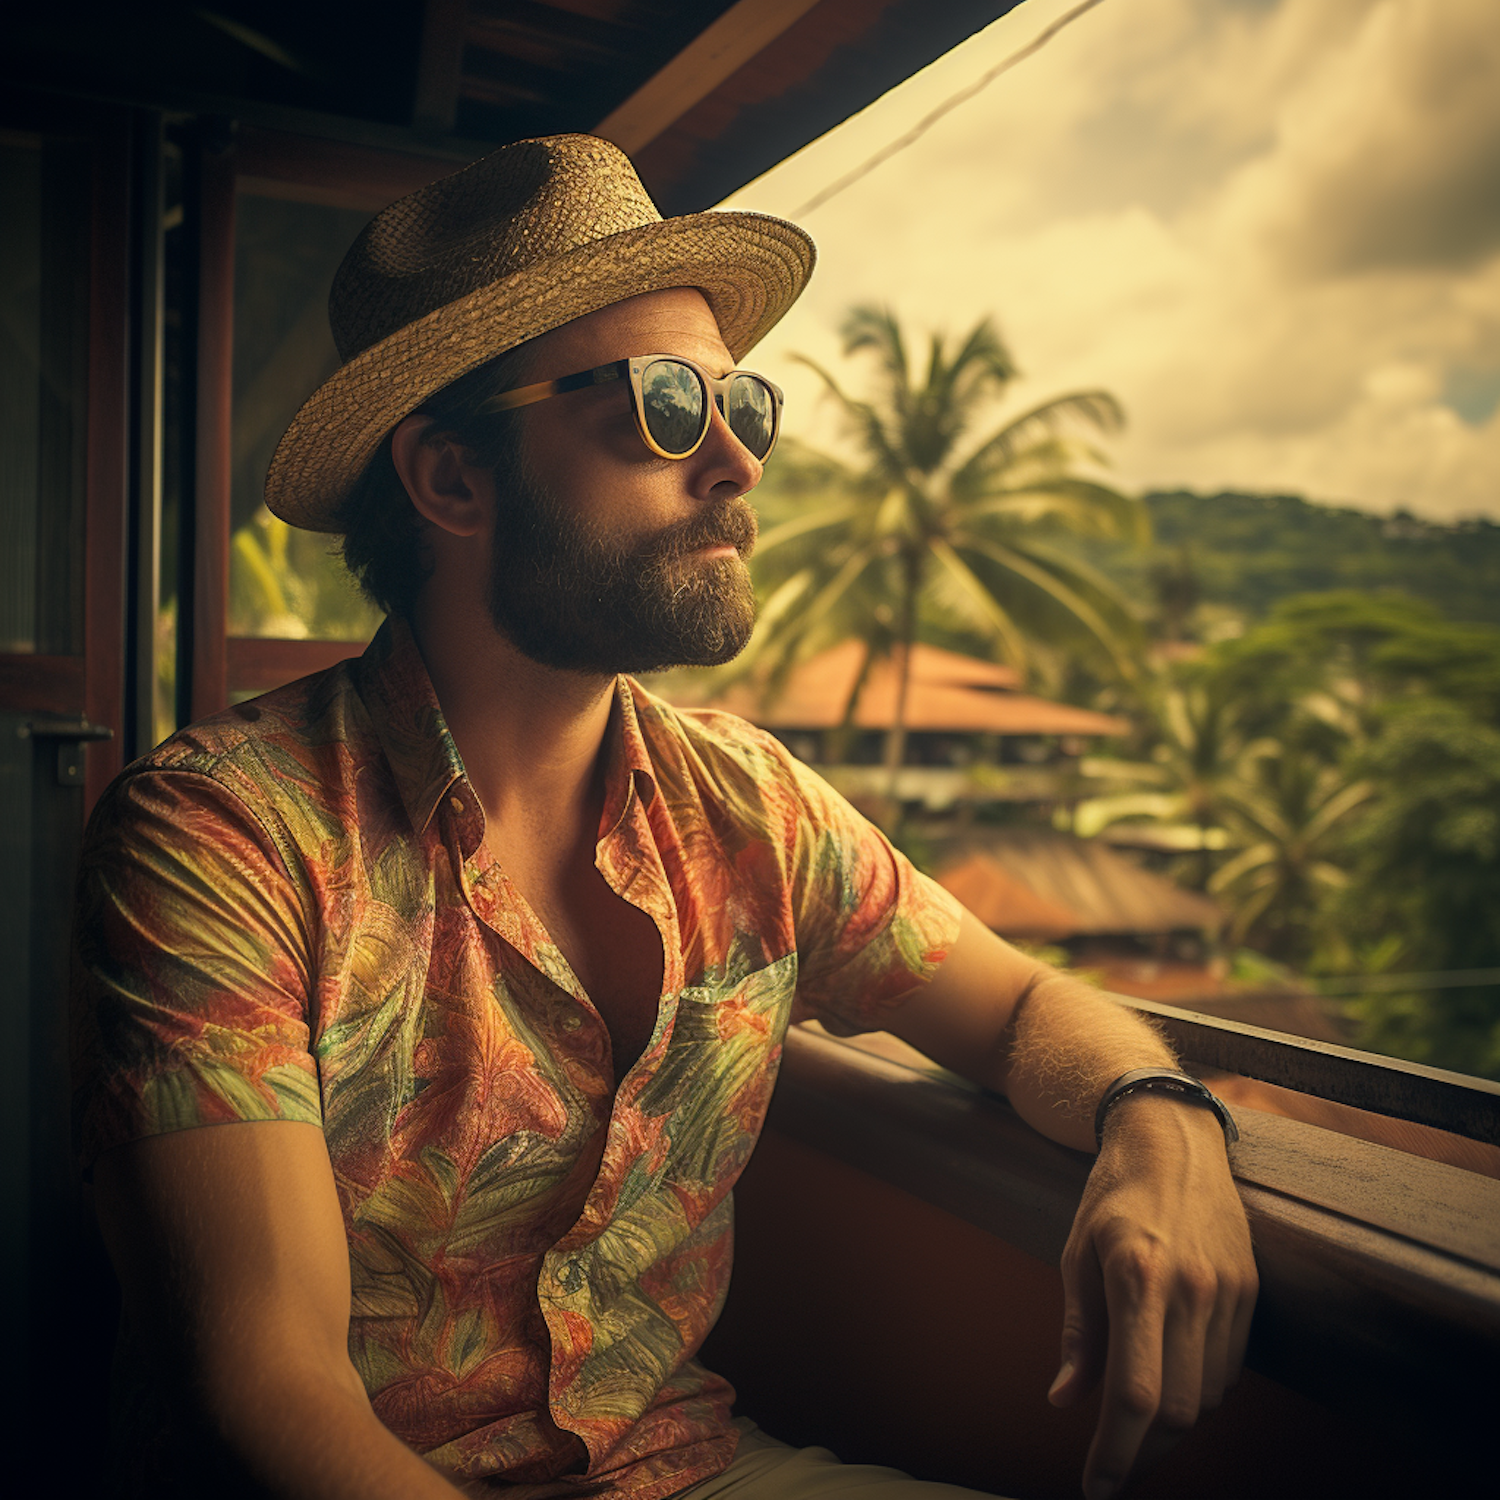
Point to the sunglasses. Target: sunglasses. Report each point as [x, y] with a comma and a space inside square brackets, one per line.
[671, 397]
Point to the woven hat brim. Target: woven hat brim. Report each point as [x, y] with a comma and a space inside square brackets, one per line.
[750, 267]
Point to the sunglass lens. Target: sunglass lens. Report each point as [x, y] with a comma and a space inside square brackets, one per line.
[752, 413]
[673, 398]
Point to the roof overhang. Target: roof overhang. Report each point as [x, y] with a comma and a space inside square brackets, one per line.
[706, 96]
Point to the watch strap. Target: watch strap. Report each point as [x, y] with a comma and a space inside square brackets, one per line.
[1164, 1081]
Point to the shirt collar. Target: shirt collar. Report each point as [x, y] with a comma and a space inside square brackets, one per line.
[409, 722]
[393, 681]
[627, 760]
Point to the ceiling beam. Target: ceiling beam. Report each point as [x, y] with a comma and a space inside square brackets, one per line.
[726, 46]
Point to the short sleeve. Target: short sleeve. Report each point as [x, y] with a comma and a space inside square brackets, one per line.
[191, 973]
[870, 926]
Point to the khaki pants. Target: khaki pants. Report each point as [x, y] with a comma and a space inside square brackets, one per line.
[764, 1469]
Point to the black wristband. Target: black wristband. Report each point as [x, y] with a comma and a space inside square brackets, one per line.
[1166, 1081]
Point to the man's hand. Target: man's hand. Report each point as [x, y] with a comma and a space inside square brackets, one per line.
[1160, 1284]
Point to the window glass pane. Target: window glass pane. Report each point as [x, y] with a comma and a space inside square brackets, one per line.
[282, 581]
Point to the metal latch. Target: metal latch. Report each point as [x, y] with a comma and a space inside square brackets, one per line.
[70, 736]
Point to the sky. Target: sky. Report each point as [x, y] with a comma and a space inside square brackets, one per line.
[1270, 227]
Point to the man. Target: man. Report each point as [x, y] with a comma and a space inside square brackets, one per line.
[486, 955]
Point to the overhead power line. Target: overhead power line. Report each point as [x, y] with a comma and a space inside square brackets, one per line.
[947, 106]
[1385, 984]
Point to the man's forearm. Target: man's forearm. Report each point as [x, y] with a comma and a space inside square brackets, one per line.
[1047, 1040]
[1068, 1043]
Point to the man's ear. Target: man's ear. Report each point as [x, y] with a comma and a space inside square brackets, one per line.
[445, 489]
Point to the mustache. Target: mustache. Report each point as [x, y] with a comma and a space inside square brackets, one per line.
[730, 523]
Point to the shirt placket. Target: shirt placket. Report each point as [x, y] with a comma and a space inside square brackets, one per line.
[628, 859]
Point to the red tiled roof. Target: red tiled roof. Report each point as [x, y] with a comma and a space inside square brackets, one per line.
[1003, 903]
[1102, 892]
[948, 693]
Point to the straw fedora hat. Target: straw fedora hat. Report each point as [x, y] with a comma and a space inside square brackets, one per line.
[524, 240]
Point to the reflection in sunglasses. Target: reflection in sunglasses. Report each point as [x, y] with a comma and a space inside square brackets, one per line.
[674, 409]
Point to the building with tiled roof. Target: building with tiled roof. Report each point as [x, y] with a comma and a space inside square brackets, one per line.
[972, 735]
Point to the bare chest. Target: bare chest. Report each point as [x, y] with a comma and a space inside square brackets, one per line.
[612, 947]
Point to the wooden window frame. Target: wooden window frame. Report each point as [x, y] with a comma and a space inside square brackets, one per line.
[222, 163]
[89, 686]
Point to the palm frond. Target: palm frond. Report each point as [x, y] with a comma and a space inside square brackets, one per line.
[1254, 857]
[1081, 506]
[1015, 561]
[835, 513]
[1097, 409]
[990, 608]
[876, 329]
[1342, 802]
[829, 593]
[1082, 575]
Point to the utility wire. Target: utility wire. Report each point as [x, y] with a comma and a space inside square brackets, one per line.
[949, 104]
[1353, 987]
[1386, 984]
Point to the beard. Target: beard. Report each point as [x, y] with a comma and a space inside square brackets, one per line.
[574, 597]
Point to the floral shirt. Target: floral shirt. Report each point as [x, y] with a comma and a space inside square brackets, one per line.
[290, 912]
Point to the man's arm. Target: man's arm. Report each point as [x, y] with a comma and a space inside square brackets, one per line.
[233, 1262]
[1158, 1273]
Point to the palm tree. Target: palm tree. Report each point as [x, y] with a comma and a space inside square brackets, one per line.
[1276, 805]
[1289, 819]
[936, 523]
[1197, 765]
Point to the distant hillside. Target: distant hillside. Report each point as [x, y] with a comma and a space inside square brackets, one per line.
[1248, 551]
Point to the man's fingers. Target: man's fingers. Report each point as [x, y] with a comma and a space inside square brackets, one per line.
[1188, 1368]
[1135, 1297]
[1176, 1341]
[1085, 1330]
[1239, 1335]
[1219, 1369]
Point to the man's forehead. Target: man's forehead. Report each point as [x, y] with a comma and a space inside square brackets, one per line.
[677, 321]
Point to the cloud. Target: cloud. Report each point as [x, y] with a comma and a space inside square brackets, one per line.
[1272, 228]
[1389, 151]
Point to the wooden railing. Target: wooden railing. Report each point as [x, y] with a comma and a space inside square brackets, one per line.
[1380, 1271]
[1387, 1085]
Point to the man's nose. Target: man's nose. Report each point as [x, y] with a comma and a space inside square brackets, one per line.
[726, 459]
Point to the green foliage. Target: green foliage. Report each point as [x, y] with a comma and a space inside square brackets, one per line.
[1346, 751]
[291, 583]
[1325, 750]
[1425, 871]
[1247, 552]
[1430, 848]
[1285, 817]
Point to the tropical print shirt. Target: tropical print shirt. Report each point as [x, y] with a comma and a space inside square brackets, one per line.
[290, 912]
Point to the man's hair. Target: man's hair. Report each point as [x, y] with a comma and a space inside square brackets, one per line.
[384, 544]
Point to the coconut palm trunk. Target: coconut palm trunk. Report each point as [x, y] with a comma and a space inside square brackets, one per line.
[895, 735]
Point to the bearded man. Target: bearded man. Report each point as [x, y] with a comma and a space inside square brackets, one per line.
[430, 1006]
